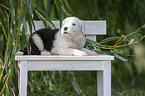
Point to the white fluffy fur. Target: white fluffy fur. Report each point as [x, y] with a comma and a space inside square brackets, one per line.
[38, 41]
[72, 40]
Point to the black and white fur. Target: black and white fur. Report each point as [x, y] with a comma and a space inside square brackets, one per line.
[69, 40]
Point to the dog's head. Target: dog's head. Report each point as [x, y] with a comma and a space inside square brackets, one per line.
[72, 26]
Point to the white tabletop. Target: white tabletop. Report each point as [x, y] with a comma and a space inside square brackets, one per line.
[60, 58]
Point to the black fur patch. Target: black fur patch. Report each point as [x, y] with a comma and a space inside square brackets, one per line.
[47, 35]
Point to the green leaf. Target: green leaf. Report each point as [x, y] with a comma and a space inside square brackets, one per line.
[131, 41]
[12, 7]
[66, 4]
[30, 22]
[91, 41]
[23, 11]
[76, 87]
[42, 17]
[12, 92]
[109, 39]
[119, 51]
[56, 3]
[66, 7]
[120, 57]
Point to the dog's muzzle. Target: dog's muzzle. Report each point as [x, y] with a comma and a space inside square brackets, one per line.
[65, 31]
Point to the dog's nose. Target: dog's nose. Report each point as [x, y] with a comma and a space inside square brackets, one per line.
[65, 28]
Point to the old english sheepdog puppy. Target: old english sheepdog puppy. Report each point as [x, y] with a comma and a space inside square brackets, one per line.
[69, 40]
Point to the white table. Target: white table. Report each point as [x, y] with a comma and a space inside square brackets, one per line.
[99, 63]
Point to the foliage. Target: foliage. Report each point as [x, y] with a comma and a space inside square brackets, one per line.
[122, 41]
[122, 18]
[13, 18]
[129, 92]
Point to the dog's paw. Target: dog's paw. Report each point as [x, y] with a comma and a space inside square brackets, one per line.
[45, 53]
[92, 53]
[79, 53]
[89, 52]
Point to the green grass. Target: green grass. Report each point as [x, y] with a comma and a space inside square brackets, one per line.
[128, 92]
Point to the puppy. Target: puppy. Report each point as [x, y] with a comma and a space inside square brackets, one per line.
[69, 40]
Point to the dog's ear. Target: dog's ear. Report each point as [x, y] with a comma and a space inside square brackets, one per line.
[82, 26]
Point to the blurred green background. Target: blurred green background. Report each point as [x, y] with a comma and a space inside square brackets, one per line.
[123, 17]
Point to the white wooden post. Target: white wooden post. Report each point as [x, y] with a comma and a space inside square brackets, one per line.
[107, 78]
[23, 78]
[104, 80]
[100, 83]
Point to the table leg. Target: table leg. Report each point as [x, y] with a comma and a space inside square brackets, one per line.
[104, 80]
[23, 78]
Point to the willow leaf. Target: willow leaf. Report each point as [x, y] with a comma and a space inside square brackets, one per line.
[57, 3]
[23, 12]
[76, 87]
[47, 20]
[109, 39]
[66, 7]
[66, 4]
[131, 41]
[30, 22]
[12, 7]
[120, 57]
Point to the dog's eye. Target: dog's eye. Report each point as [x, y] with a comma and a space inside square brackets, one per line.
[73, 24]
